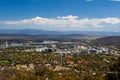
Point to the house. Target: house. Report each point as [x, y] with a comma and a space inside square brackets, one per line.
[70, 62]
[84, 52]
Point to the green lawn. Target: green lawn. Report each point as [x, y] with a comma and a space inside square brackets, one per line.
[5, 61]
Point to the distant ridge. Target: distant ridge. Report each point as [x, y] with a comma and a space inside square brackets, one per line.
[109, 41]
[57, 33]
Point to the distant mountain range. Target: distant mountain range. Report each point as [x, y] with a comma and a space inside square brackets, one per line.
[57, 33]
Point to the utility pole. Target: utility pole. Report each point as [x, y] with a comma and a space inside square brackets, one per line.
[61, 55]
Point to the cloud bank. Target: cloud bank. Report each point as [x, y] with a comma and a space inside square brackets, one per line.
[66, 22]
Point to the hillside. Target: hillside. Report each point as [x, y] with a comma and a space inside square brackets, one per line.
[110, 41]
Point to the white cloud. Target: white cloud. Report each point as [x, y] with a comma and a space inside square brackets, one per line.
[66, 22]
[67, 17]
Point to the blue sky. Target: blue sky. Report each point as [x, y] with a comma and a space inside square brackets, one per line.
[60, 14]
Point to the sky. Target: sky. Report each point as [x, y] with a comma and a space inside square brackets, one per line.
[83, 15]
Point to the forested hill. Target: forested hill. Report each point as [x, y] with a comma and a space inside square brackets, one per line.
[110, 41]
